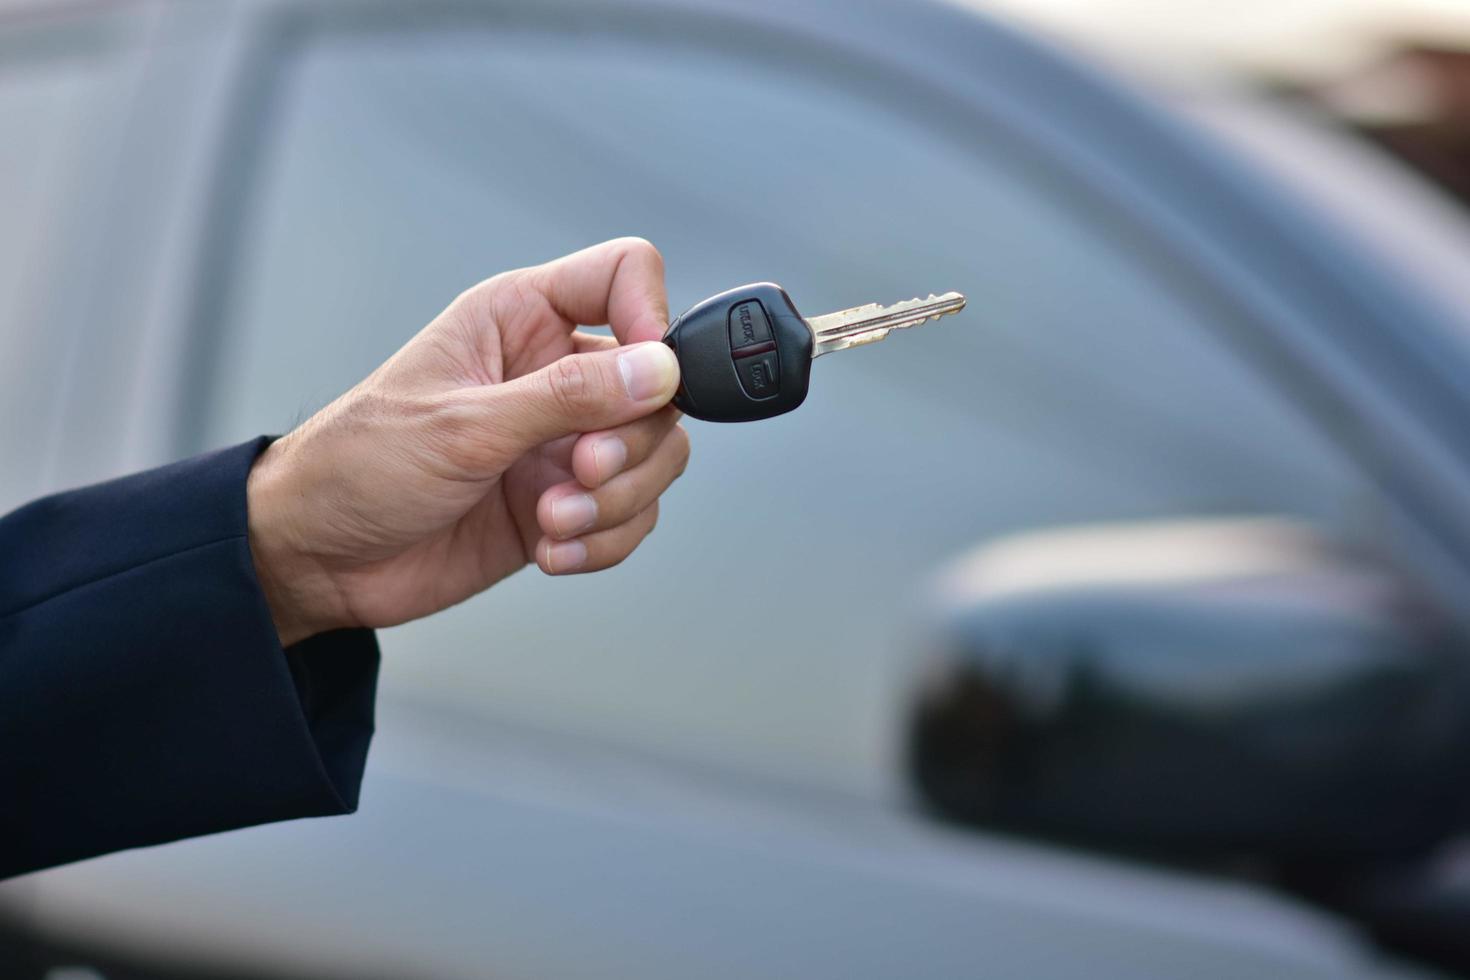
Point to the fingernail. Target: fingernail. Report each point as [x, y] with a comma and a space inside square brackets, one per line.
[565, 556]
[608, 456]
[573, 514]
[649, 370]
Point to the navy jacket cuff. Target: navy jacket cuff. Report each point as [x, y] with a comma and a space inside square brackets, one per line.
[144, 693]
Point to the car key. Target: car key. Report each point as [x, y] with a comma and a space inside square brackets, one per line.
[747, 353]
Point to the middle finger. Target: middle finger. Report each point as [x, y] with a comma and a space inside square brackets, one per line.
[599, 456]
[569, 509]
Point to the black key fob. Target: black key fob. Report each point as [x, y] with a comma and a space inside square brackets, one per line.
[744, 354]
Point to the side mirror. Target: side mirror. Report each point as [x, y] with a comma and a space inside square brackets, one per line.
[1195, 690]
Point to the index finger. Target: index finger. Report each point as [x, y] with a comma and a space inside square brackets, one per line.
[619, 283]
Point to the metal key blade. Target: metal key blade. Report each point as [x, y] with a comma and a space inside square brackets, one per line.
[871, 323]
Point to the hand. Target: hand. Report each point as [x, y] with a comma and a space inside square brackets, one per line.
[499, 435]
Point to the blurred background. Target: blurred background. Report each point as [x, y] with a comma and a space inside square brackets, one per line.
[1112, 628]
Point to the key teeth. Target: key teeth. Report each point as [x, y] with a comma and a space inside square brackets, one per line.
[931, 298]
[872, 322]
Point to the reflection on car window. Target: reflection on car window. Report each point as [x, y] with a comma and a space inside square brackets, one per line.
[1077, 387]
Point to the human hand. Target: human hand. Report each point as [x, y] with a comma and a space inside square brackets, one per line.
[497, 436]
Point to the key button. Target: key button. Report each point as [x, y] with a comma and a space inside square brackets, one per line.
[748, 325]
[760, 376]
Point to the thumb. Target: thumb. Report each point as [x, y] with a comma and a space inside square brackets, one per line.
[582, 393]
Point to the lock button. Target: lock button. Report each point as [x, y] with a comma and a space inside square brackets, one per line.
[760, 375]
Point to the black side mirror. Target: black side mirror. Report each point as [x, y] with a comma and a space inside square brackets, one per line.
[1195, 690]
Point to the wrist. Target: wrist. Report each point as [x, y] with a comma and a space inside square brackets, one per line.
[297, 590]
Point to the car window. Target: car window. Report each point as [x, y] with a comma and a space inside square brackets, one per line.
[1078, 386]
[54, 85]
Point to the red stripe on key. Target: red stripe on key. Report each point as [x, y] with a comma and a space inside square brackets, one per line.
[743, 352]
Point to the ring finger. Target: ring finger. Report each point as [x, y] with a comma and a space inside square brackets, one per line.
[595, 552]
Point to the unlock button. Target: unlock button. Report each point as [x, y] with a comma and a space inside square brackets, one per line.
[748, 325]
[760, 375]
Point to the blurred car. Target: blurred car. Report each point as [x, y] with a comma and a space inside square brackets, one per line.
[222, 214]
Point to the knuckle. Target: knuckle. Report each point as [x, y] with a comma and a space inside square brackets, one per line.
[571, 386]
[634, 245]
[452, 431]
[446, 422]
[516, 297]
[488, 296]
[474, 298]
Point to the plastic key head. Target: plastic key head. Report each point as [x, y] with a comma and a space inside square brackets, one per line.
[745, 354]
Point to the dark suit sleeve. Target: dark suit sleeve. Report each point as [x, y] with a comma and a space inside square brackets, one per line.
[144, 694]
